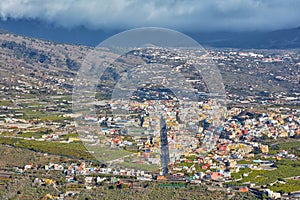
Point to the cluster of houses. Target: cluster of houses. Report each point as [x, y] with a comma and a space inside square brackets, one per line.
[237, 139]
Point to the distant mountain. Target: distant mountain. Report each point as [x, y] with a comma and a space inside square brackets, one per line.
[40, 30]
[280, 39]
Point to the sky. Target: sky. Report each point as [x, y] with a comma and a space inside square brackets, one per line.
[189, 15]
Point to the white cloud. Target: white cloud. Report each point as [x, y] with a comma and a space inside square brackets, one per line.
[180, 14]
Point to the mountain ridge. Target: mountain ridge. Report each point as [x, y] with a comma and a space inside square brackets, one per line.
[277, 39]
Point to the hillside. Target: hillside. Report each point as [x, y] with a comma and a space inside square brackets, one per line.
[37, 64]
[45, 67]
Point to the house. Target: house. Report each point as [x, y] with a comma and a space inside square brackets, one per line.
[161, 178]
[273, 195]
[215, 175]
[69, 178]
[206, 166]
[264, 149]
[26, 167]
[49, 181]
[222, 147]
[100, 180]
[227, 174]
[243, 189]
[88, 179]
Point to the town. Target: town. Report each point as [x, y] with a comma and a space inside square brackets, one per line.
[255, 151]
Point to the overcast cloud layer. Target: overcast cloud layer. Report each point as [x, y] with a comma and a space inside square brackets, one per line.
[179, 14]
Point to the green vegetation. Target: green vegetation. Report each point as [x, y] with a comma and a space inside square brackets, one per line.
[185, 164]
[107, 154]
[30, 135]
[172, 185]
[286, 168]
[244, 162]
[6, 134]
[140, 166]
[5, 103]
[153, 191]
[292, 147]
[76, 150]
[289, 186]
[11, 157]
[273, 152]
[240, 173]
[67, 136]
[21, 187]
[30, 113]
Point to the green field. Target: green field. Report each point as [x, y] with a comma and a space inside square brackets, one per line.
[74, 149]
[289, 186]
[30, 135]
[286, 168]
[30, 113]
[107, 154]
[292, 147]
[5, 103]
